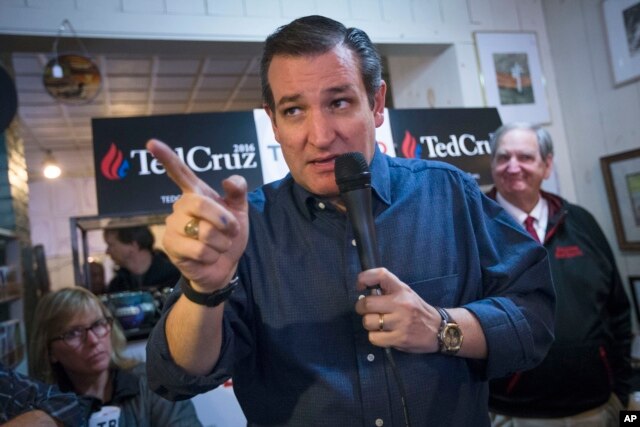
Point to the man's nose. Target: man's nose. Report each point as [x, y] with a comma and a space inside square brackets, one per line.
[320, 129]
[513, 165]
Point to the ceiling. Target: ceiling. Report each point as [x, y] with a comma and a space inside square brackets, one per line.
[138, 78]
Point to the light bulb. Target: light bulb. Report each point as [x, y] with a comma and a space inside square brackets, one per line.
[57, 72]
[51, 171]
[51, 168]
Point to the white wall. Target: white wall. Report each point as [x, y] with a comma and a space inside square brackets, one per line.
[51, 203]
[600, 119]
[589, 117]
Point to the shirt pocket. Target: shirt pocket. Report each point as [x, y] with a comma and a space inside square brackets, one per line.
[440, 291]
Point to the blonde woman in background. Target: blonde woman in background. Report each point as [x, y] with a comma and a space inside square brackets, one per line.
[77, 345]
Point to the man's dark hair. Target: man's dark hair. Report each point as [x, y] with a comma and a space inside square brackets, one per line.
[315, 35]
[140, 234]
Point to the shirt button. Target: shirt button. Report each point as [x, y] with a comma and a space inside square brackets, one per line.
[371, 357]
[353, 242]
[379, 422]
[321, 205]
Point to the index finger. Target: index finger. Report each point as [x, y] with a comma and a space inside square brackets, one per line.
[177, 170]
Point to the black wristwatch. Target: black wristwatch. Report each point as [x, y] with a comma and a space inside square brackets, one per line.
[449, 335]
[214, 298]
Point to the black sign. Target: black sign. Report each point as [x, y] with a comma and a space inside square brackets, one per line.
[216, 145]
[458, 136]
[128, 178]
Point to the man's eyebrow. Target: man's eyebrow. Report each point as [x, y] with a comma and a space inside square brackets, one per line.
[340, 89]
[287, 99]
[517, 152]
[331, 90]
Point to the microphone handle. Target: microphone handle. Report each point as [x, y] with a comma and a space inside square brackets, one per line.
[358, 204]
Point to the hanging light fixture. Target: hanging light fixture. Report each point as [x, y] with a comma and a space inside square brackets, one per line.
[71, 78]
[51, 168]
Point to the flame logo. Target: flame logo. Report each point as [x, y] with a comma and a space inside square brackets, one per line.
[113, 164]
[383, 147]
[410, 148]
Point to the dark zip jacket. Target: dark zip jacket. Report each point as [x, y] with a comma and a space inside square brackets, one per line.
[590, 357]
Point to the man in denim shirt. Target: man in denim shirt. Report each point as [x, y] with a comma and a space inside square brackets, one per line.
[305, 342]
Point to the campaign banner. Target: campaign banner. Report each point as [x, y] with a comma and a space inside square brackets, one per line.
[459, 136]
[213, 145]
[216, 145]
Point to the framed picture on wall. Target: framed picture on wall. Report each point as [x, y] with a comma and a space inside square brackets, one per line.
[622, 180]
[511, 75]
[622, 22]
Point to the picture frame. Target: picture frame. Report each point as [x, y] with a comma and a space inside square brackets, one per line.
[634, 285]
[511, 75]
[622, 24]
[621, 174]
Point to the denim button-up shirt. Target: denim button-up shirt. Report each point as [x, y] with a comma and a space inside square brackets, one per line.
[295, 346]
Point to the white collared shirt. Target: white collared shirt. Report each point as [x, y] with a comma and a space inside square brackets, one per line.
[540, 213]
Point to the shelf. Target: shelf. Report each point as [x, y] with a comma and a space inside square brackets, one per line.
[13, 358]
[98, 222]
[7, 234]
[10, 290]
[9, 298]
[11, 343]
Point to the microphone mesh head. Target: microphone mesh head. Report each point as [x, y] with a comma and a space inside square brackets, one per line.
[352, 171]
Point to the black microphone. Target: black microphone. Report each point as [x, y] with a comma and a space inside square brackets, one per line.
[354, 181]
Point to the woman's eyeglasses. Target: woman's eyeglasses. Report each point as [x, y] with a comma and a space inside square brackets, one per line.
[78, 335]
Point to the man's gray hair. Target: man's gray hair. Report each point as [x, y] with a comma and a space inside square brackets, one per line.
[545, 144]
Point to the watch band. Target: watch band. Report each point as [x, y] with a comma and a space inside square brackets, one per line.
[449, 335]
[209, 299]
[444, 314]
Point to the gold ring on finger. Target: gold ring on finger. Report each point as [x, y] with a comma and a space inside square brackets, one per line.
[381, 322]
[192, 228]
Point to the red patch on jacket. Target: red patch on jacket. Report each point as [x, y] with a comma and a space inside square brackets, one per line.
[563, 252]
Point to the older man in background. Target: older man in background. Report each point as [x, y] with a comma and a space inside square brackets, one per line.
[585, 378]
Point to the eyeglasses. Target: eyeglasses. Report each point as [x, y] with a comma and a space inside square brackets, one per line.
[78, 335]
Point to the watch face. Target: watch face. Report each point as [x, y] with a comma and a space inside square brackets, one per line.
[452, 337]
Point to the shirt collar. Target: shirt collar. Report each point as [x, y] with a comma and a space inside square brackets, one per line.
[380, 179]
[518, 214]
[380, 185]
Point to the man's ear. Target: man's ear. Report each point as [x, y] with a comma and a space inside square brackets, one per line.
[549, 164]
[378, 105]
[272, 118]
